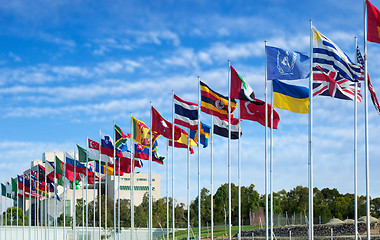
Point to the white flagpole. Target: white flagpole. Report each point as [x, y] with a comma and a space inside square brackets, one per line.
[229, 154]
[167, 191]
[368, 200]
[199, 161]
[46, 201]
[93, 195]
[310, 160]
[355, 148]
[56, 199]
[114, 182]
[266, 152]
[271, 168]
[11, 210]
[83, 204]
[132, 180]
[23, 207]
[16, 208]
[173, 144]
[239, 177]
[74, 198]
[150, 174]
[100, 186]
[87, 205]
[30, 203]
[188, 185]
[118, 199]
[64, 196]
[1, 216]
[212, 176]
[36, 205]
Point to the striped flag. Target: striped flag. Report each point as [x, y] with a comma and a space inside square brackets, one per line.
[328, 56]
[185, 113]
[370, 87]
[221, 127]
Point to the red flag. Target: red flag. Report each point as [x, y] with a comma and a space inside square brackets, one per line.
[373, 23]
[255, 111]
[164, 127]
[235, 84]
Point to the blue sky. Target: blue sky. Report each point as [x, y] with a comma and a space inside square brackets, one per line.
[69, 69]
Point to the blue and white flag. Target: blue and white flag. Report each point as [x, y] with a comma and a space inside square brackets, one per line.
[286, 65]
[186, 113]
[328, 56]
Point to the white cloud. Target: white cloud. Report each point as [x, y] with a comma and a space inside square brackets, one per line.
[15, 57]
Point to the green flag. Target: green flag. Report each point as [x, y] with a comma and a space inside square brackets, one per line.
[82, 154]
[14, 185]
[59, 166]
[120, 137]
[3, 190]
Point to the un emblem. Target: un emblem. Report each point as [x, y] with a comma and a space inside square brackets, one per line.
[286, 62]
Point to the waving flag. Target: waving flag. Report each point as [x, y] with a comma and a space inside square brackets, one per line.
[93, 149]
[182, 141]
[185, 113]
[142, 153]
[120, 137]
[239, 88]
[370, 87]
[290, 97]
[106, 146]
[255, 111]
[331, 83]
[205, 134]
[163, 127]
[286, 65]
[328, 56]
[221, 127]
[214, 103]
[141, 132]
[373, 23]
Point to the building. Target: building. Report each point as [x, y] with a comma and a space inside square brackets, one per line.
[87, 191]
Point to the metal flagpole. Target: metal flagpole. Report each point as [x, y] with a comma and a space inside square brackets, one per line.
[30, 203]
[199, 161]
[239, 177]
[266, 152]
[212, 177]
[229, 154]
[37, 204]
[46, 203]
[173, 144]
[93, 197]
[114, 182]
[74, 198]
[355, 148]
[17, 198]
[1, 216]
[310, 160]
[56, 199]
[188, 185]
[150, 174]
[132, 181]
[83, 204]
[23, 206]
[118, 198]
[368, 200]
[6, 217]
[271, 168]
[100, 187]
[167, 190]
[105, 197]
[87, 195]
[11, 210]
[64, 195]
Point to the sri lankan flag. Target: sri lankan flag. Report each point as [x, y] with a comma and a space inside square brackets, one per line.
[214, 103]
[141, 133]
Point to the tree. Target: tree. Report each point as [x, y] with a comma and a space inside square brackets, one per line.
[16, 219]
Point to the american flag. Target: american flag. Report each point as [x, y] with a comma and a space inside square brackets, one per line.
[330, 83]
[370, 87]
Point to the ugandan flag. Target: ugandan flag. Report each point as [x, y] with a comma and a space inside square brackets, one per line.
[214, 103]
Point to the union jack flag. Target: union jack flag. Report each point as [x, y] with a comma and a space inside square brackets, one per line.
[327, 82]
[370, 87]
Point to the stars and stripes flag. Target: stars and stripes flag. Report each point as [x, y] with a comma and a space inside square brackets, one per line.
[370, 87]
[328, 56]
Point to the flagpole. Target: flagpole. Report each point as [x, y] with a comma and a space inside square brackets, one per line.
[239, 177]
[17, 208]
[30, 203]
[310, 129]
[150, 173]
[271, 168]
[114, 182]
[56, 199]
[100, 187]
[64, 196]
[87, 195]
[266, 150]
[118, 197]
[199, 162]
[36, 201]
[229, 153]
[11, 210]
[173, 144]
[355, 148]
[132, 180]
[368, 200]
[167, 191]
[74, 198]
[23, 207]
[83, 202]
[93, 195]
[188, 185]
[212, 176]
[46, 201]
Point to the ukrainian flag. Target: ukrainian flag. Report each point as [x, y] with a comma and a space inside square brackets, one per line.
[290, 97]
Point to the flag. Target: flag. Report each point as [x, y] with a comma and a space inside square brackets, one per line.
[286, 65]
[370, 87]
[9, 190]
[142, 153]
[106, 147]
[255, 111]
[290, 97]
[69, 170]
[82, 153]
[205, 134]
[93, 149]
[373, 23]
[221, 127]
[182, 141]
[239, 88]
[41, 174]
[185, 113]
[161, 126]
[141, 132]
[214, 103]
[331, 83]
[327, 55]
[80, 167]
[120, 137]
[14, 185]
[3, 190]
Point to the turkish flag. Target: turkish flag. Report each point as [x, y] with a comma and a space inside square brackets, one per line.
[255, 111]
